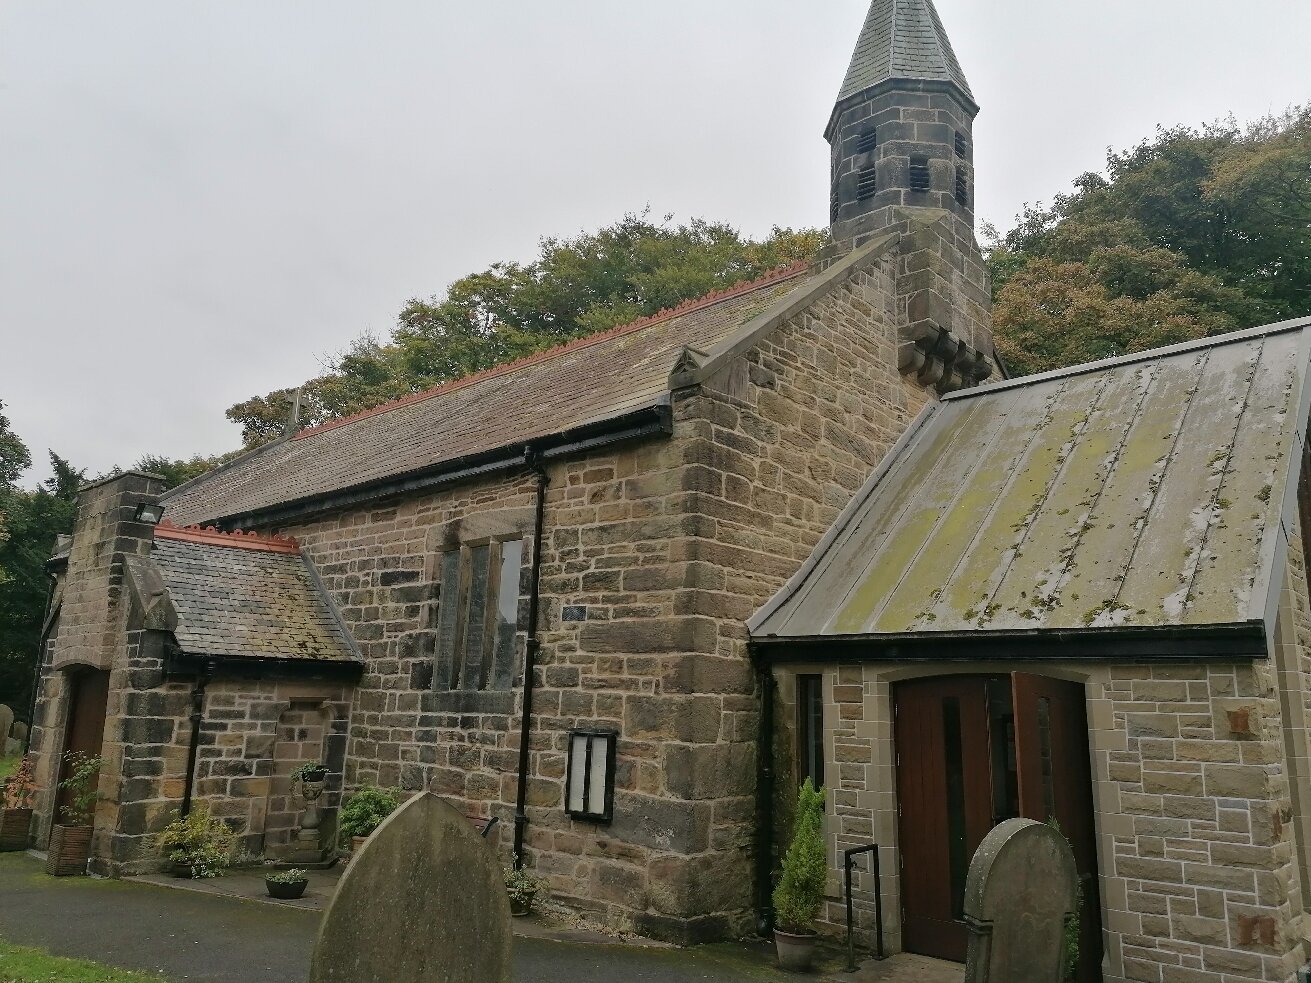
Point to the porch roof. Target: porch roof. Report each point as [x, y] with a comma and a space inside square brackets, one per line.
[246, 598]
[1150, 492]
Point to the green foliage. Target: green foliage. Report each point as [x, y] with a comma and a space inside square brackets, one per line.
[800, 890]
[293, 876]
[574, 287]
[181, 470]
[199, 841]
[302, 773]
[1192, 233]
[520, 884]
[366, 810]
[82, 782]
[29, 523]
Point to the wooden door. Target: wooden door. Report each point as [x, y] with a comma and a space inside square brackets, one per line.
[945, 797]
[85, 729]
[1055, 778]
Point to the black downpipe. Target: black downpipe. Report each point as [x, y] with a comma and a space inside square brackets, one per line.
[531, 646]
[197, 714]
[765, 804]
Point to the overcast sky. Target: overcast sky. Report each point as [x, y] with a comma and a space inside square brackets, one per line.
[199, 201]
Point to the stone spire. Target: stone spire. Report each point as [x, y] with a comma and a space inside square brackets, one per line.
[902, 39]
[902, 128]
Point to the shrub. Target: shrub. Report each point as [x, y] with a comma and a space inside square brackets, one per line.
[20, 786]
[293, 876]
[302, 773]
[198, 841]
[366, 810]
[521, 885]
[81, 784]
[800, 890]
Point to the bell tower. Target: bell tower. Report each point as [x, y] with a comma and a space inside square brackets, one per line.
[902, 132]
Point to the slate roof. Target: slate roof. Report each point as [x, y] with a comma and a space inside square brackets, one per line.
[237, 600]
[1152, 490]
[902, 39]
[594, 379]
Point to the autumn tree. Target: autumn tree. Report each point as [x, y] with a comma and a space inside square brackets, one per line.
[1191, 233]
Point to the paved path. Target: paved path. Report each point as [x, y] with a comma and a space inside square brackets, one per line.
[188, 935]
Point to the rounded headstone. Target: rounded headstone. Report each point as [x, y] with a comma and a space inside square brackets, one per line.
[6, 723]
[423, 902]
[1021, 887]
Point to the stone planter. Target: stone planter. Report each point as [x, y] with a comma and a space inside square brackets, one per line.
[69, 849]
[357, 844]
[182, 870]
[14, 824]
[284, 891]
[796, 953]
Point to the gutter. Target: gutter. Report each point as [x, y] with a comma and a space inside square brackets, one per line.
[531, 646]
[653, 420]
[1163, 643]
[197, 715]
[765, 803]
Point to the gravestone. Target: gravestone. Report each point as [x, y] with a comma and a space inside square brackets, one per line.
[423, 902]
[6, 725]
[1021, 888]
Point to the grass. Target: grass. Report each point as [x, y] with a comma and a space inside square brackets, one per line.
[19, 964]
[9, 765]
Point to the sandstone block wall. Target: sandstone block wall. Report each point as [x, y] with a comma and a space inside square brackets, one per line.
[654, 555]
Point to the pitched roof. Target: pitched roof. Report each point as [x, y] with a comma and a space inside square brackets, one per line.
[595, 379]
[902, 39]
[1150, 490]
[246, 597]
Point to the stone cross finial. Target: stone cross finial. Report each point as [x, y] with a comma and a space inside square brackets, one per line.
[1021, 889]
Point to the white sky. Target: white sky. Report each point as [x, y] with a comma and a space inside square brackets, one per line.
[198, 201]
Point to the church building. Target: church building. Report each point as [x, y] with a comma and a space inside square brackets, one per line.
[626, 594]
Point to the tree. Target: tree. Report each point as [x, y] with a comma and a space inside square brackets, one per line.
[574, 287]
[32, 520]
[181, 470]
[1191, 233]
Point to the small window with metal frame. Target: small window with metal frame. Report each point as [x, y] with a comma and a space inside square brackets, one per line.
[590, 783]
[810, 728]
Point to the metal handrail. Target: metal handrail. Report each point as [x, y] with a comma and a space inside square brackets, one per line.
[847, 857]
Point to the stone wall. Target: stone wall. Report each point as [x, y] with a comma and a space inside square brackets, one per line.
[654, 555]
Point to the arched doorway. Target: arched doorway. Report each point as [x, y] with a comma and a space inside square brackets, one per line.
[88, 697]
[973, 751]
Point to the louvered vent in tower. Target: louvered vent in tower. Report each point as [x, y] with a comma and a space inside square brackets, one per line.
[920, 178]
[867, 184]
[868, 142]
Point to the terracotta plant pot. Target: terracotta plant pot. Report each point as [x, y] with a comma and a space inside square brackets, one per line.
[69, 849]
[357, 843]
[14, 824]
[796, 953]
[284, 891]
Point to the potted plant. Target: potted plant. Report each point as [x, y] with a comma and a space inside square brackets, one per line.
[311, 771]
[286, 885]
[16, 816]
[70, 840]
[197, 844]
[800, 890]
[364, 812]
[522, 888]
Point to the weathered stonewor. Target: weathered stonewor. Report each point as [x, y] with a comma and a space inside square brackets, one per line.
[1021, 888]
[423, 902]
